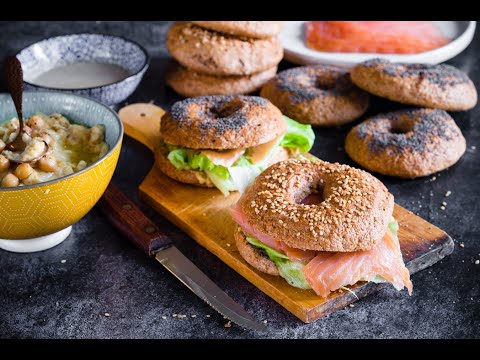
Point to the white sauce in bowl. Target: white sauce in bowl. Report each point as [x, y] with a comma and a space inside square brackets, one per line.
[81, 75]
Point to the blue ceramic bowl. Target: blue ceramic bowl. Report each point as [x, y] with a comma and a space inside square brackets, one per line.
[64, 50]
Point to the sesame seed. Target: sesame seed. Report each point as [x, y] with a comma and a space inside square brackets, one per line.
[228, 324]
[447, 194]
[442, 207]
[175, 315]
[107, 314]
[63, 261]
[164, 317]
[477, 262]
[444, 203]
[462, 245]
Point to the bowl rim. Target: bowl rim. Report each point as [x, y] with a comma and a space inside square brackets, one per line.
[89, 167]
[142, 68]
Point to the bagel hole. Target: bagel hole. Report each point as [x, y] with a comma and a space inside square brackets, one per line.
[312, 196]
[401, 127]
[312, 199]
[226, 109]
[325, 83]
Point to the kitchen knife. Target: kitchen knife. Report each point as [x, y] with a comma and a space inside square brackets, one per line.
[143, 233]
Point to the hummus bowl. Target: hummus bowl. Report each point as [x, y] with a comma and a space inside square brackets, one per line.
[38, 216]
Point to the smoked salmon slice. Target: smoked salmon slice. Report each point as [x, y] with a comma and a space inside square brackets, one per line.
[328, 272]
[387, 37]
[292, 253]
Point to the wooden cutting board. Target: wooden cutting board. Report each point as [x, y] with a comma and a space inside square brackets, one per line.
[202, 214]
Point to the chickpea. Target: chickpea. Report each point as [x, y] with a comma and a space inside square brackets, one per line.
[48, 163]
[23, 171]
[4, 163]
[35, 122]
[2, 145]
[10, 180]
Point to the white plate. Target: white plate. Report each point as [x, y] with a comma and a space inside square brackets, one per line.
[296, 51]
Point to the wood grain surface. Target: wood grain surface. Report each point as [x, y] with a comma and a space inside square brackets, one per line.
[203, 214]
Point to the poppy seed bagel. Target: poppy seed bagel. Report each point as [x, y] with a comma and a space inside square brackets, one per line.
[222, 122]
[432, 86]
[320, 95]
[406, 143]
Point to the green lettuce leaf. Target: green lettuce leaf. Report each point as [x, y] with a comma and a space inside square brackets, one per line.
[393, 226]
[184, 159]
[298, 135]
[243, 172]
[289, 270]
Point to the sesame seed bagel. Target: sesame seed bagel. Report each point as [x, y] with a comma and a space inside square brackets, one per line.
[252, 255]
[214, 53]
[191, 177]
[407, 143]
[255, 29]
[433, 86]
[222, 122]
[190, 83]
[353, 216]
[318, 94]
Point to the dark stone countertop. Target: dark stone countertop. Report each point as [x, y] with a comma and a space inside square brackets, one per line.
[42, 297]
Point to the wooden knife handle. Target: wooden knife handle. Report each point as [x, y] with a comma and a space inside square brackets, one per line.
[131, 221]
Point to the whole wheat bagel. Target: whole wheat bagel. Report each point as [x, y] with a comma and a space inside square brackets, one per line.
[214, 53]
[255, 29]
[190, 83]
[252, 255]
[353, 216]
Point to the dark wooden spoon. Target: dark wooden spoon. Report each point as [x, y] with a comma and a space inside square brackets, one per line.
[14, 77]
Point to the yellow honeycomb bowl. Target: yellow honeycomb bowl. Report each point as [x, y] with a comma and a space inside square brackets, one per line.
[39, 210]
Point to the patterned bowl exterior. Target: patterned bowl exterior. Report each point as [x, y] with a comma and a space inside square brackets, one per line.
[41, 209]
[63, 50]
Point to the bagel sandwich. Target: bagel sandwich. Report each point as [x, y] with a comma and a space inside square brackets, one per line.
[320, 226]
[226, 141]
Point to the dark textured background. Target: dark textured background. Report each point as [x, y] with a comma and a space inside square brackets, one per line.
[43, 298]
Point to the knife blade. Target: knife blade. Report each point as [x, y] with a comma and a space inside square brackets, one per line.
[143, 233]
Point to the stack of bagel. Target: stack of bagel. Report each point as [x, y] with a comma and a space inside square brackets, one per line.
[222, 57]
